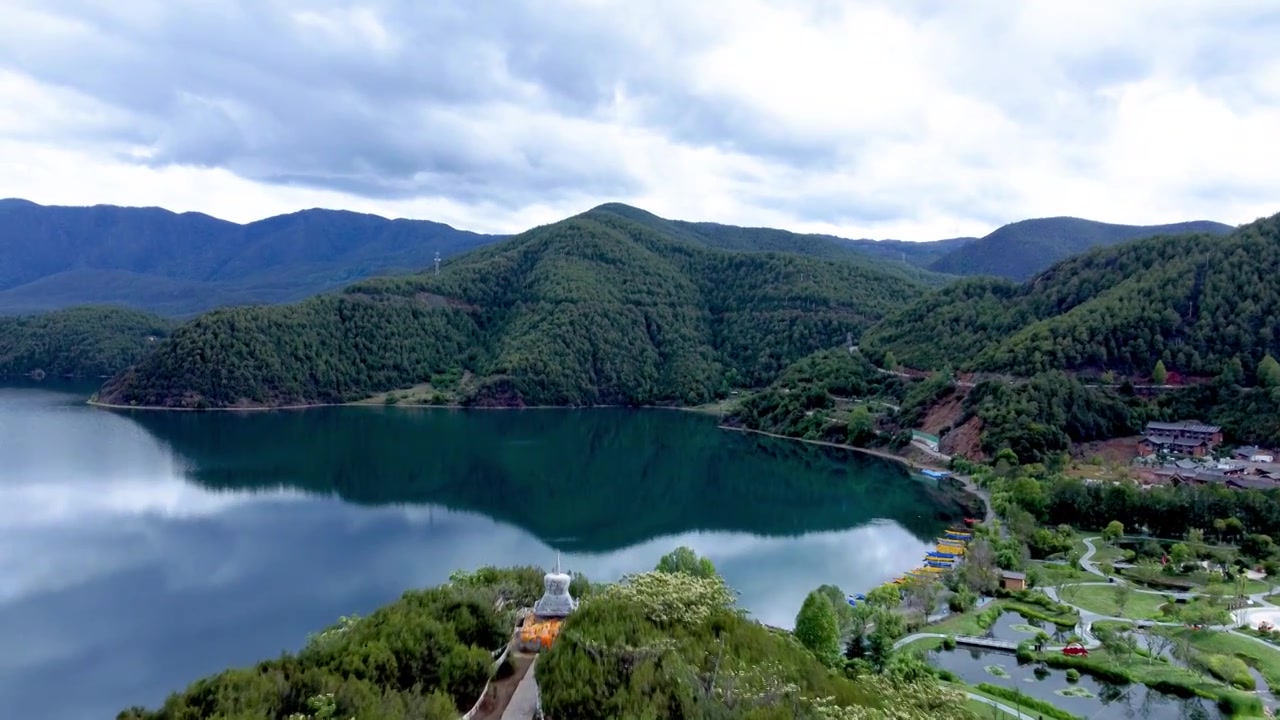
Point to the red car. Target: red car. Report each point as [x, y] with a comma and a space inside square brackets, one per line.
[1075, 648]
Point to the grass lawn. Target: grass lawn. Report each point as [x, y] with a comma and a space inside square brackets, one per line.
[1151, 672]
[965, 624]
[922, 645]
[1101, 599]
[1264, 659]
[984, 711]
[1054, 574]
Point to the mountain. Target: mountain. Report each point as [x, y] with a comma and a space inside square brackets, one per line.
[911, 258]
[179, 264]
[1197, 302]
[82, 341]
[1021, 249]
[595, 309]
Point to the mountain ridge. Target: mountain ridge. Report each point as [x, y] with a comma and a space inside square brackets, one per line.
[1193, 301]
[1021, 249]
[594, 309]
[180, 264]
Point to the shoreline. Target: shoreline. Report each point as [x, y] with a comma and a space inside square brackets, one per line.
[410, 406]
[967, 485]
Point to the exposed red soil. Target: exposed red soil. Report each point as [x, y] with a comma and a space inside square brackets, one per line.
[944, 415]
[965, 441]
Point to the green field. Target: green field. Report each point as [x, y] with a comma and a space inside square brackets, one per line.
[1264, 658]
[1101, 599]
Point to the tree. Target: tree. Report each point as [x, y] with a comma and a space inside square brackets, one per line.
[1257, 546]
[817, 627]
[891, 361]
[981, 574]
[684, 560]
[1113, 531]
[846, 615]
[862, 426]
[1232, 374]
[1123, 593]
[1158, 642]
[1269, 372]
[1196, 543]
[1180, 554]
[1159, 375]
[885, 597]
[922, 595]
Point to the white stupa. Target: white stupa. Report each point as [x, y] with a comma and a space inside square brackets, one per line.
[556, 602]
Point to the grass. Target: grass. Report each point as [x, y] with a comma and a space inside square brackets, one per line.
[1105, 553]
[969, 623]
[984, 711]
[980, 709]
[1055, 574]
[1159, 675]
[1101, 599]
[1266, 660]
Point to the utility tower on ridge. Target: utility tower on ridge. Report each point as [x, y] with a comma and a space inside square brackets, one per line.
[437, 262]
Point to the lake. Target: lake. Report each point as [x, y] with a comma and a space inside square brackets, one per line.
[142, 550]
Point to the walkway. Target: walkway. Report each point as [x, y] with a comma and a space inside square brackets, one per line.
[524, 702]
[1001, 707]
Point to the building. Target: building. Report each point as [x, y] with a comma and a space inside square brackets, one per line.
[1011, 580]
[541, 627]
[1181, 438]
[1255, 454]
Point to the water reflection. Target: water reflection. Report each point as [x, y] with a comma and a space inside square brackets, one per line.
[121, 579]
[1088, 697]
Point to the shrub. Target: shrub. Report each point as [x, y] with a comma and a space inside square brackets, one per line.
[1073, 675]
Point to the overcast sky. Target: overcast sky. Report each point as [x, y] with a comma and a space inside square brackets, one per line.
[903, 118]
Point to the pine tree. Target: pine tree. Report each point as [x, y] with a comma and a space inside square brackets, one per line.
[1269, 372]
[1159, 375]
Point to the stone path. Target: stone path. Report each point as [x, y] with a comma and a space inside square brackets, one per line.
[524, 702]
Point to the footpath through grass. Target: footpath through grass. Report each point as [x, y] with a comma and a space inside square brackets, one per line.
[1102, 599]
[1264, 659]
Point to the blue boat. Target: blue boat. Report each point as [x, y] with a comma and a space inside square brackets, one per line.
[935, 474]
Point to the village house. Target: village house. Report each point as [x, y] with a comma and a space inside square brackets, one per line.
[1254, 454]
[1181, 438]
[1011, 580]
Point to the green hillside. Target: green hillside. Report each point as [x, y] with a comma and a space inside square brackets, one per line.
[82, 341]
[893, 256]
[596, 309]
[1196, 302]
[1022, 249]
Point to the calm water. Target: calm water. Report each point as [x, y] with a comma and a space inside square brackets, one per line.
[140, 551]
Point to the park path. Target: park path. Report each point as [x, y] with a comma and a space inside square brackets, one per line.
[1001, 707]
[524, 701]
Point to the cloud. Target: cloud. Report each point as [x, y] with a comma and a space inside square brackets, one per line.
[913, 119]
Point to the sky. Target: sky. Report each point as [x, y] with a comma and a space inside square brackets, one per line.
[906, 119]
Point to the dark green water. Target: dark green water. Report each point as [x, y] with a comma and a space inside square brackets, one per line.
[143, 550]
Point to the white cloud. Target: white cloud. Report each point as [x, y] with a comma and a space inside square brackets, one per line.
[880, 119]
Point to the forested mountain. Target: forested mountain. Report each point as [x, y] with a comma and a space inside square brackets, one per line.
[150, 258]
[1022, 249]
[595, 309]
[908, 257]
[1196, 302]
[82, 341]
